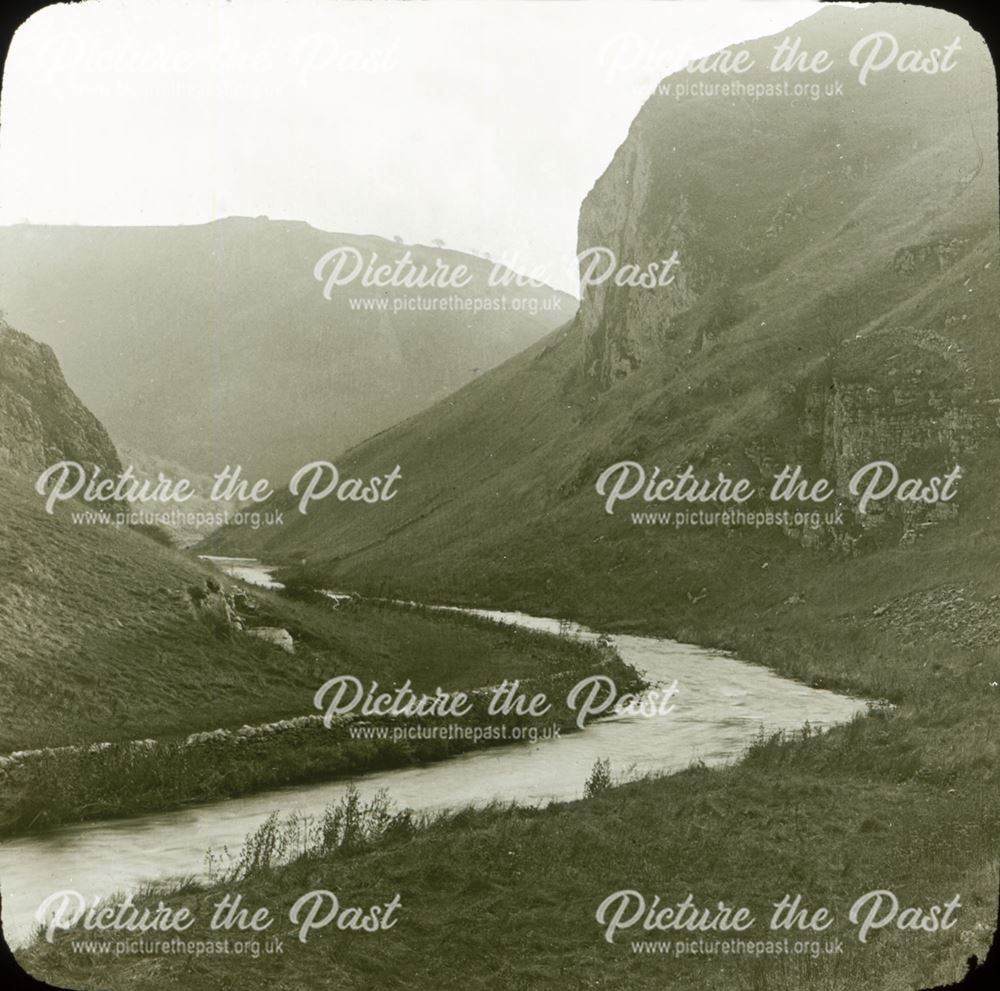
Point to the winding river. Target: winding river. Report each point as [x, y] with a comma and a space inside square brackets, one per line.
[720, 705]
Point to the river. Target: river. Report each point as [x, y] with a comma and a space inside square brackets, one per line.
[720, 705]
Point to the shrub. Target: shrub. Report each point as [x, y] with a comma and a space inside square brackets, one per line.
[599, 779]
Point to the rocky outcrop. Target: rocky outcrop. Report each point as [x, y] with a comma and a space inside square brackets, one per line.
[742, 187]
[939, 254]
[958, 613]
[275, 635]
[923, 432]
[622, 325]
[833, 427]
[216, 607]
[41, 419]
[908, 426]
[836, 291]
[232, 610]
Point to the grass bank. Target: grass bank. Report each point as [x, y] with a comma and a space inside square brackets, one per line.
[102, 638]
[906, 799]
[108, 637]
[129, 778]
[829, 817]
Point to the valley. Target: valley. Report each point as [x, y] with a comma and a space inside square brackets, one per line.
[117, 648]
[831, 678]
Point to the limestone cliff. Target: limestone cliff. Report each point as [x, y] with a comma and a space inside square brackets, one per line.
[41, 419]
[837, 291]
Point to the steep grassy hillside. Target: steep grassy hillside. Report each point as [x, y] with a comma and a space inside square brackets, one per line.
[835, 304]
[99, 640]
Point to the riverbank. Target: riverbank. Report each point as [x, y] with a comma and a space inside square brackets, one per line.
[905, 799]
[115, 780]
[828, 817]
[194, 760]
[852, 624]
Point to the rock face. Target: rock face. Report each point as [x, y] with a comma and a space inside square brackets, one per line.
[837, 266]
[842, 424]
[621, 327]
[908, 427]
[41, 419]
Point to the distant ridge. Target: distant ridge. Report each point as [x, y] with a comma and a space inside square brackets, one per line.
[212, 344]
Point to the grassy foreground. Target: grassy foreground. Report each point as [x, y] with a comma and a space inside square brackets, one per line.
[511, 894]
[905, 799]
[129, 778]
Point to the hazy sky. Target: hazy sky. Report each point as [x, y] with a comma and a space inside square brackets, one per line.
[482, 122]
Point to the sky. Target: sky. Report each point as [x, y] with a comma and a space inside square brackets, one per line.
[480, 122]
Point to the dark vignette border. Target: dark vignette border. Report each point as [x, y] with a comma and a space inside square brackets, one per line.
[980, 975]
